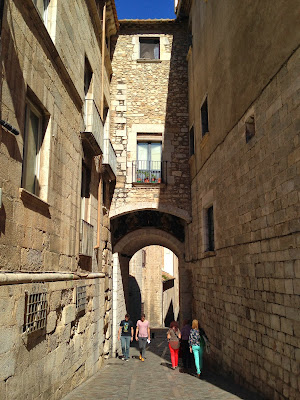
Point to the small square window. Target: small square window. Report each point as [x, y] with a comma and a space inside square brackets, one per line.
[204, 118]
[35, 312]
[149, 48]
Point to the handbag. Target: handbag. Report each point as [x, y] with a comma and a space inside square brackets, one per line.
[175, 344]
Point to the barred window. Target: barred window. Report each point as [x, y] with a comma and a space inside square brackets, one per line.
[35, 312]
[80, 298]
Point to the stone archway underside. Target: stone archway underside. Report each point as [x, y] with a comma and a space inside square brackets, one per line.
[171, 227]
[140, 238]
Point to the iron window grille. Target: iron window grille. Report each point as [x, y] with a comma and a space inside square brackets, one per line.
[35, 312]
[80, 298]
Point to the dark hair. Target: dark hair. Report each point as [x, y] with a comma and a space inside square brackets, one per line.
[127, 316]
[174, 324]
[143, 315]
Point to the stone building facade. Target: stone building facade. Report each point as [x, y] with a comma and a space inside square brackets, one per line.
[149, 130]
[243, 242]
[57, 172]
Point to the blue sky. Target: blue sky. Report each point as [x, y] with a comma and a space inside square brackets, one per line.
[145, 9]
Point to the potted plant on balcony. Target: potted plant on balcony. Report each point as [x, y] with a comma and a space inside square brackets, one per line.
[153, 178]
[139, 176]
[146, 180]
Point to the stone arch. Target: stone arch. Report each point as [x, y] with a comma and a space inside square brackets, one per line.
[140, 238]
[168, 209]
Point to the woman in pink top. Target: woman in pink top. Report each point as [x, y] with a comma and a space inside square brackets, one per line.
[142, 334]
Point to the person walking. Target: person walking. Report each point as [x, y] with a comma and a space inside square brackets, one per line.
[197, 341]
[142, 335]
[126, 331]
[184, 345]
[174, 336]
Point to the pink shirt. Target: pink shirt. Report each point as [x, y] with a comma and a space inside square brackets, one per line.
[143, 328]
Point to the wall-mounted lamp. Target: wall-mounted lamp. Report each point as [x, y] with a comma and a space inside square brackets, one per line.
[8, 126]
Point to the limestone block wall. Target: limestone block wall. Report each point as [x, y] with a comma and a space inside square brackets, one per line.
[149, 98]
[42, 63]
[70, 350]
[44, 234]
[246, 293]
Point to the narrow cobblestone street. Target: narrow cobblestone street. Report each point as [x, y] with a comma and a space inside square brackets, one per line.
[155, 380]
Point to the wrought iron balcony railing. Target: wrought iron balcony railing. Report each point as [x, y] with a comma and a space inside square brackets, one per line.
[86, 238]
[110, 158]
[149, 171]
[93, 134]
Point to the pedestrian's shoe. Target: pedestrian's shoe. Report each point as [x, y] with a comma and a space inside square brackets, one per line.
[126, 359]
[142, 359]
[122, 358]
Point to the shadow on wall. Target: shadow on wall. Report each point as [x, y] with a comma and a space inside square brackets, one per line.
[2, 220]
[170, 315]
[134, 303]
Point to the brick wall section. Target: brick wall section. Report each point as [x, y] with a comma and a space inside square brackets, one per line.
[152, 94]
[247, 294]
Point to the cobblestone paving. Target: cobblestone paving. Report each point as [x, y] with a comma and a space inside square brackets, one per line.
[155, 380]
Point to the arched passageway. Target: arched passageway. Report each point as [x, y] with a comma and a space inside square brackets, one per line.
[133, 232]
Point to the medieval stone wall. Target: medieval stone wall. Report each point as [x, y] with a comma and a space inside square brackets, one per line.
[246, 292]
[148, 98]
[43, 62]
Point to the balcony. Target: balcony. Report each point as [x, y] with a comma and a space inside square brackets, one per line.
[110, 159]
[93, 135]
[149, 172]
[86, 239]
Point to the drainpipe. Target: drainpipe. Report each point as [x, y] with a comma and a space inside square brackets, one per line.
[10, 278]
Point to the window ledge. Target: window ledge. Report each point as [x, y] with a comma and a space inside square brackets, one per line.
[30, 199]
[148, 184]
[145, 60]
